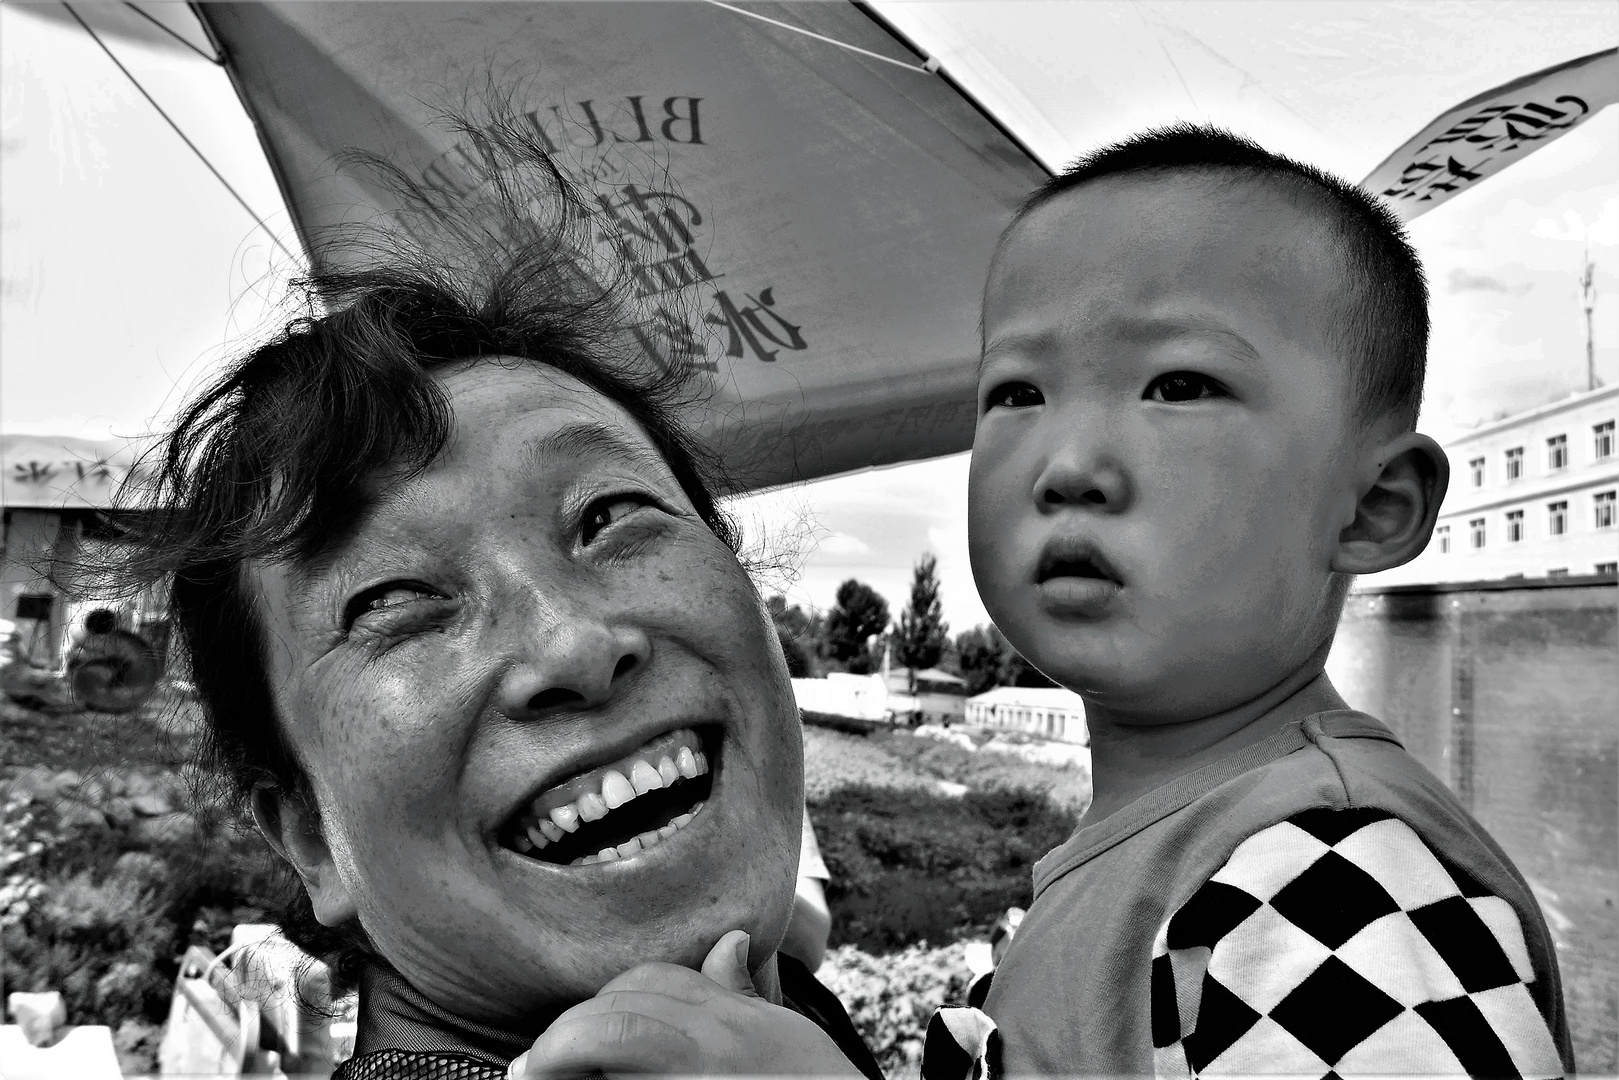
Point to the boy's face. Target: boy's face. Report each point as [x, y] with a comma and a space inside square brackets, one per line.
[1166, 451]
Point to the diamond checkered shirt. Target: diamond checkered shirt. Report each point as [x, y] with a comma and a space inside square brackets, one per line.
[1337, 942]
[1274, 916]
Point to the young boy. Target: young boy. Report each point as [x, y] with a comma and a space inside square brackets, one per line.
[1201, 373]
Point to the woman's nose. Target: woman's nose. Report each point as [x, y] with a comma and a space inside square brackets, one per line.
[571, 665]
[1077, 477]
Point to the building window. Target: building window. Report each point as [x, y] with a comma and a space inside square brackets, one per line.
[1609, 568]
[1602, 440]
[1515, 463]
[1603, 502]
[1514, 526]
[1557, 518]
[1476, 527]
[1443, 533]
[1557, 453]
[1557, 571]
[1477, 465]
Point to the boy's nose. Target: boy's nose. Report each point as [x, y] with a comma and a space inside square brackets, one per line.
[1074, 481]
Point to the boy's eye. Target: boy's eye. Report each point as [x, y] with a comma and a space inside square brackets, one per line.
[386, 597]
[1014, 395]
[1184, 386]
[604, 512]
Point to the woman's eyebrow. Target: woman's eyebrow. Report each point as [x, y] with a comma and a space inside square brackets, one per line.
[589, 439]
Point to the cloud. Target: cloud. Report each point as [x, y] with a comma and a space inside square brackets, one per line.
[843, 544]
[1467, 281]
[1600, 229]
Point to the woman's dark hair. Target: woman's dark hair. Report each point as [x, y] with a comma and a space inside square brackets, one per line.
[279, 457]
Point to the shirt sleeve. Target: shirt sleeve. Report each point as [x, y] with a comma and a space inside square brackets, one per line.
[1337, 943]
[810, 863]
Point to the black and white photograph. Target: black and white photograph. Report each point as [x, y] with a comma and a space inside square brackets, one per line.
[886, 539]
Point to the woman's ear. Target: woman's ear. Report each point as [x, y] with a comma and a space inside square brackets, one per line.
[1396, 512]
[293, 830]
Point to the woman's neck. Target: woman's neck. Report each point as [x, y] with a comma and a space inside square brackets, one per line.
[1130, 759]
[767, 981]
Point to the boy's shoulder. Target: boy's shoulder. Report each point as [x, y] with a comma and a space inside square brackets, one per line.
[1331, 854]
[1349, 770]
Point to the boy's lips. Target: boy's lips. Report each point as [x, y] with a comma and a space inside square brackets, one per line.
[1074, 579]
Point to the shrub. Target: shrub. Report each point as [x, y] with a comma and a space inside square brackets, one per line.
[111, 908]
[891, 997]
[910, 866]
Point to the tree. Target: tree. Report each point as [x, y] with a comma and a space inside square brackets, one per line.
[799, 633]
[858, 614]
[987, 660]
[981, 657]
[921, 637]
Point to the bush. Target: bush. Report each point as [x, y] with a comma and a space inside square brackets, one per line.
[890, 998]
[911, 866]
[112, 903]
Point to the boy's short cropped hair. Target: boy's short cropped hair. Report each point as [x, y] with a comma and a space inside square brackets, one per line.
[1384, 324]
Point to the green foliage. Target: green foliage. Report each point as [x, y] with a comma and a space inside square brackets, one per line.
[911, 865]
[986, 660]
[891, 997]
[859, 613]
[920, 642]
[800, 634]
[980, 657]
[118, 903]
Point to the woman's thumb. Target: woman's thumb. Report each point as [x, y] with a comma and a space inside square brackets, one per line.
[727, 963]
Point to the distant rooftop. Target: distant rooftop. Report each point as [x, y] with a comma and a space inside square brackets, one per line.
[1033, 697]
[1506, 423]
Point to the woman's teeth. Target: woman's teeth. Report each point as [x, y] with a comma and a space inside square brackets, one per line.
[541, 827]
[641, 842]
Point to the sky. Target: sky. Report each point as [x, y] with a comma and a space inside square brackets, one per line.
[128, 273]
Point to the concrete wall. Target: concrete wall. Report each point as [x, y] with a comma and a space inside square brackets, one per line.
[28, 539]
[1509, 691]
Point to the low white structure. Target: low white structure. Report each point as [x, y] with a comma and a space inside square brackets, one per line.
[863, 697]
[940, 697]
[1050, 712]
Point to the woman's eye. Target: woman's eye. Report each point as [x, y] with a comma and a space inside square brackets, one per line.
[604, 512]
[1184, 386]
[383, 598]
[1014, 395]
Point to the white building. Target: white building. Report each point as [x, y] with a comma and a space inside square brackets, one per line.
[861, 697]
[940, 697]
[1530, 496]
[1051, 712]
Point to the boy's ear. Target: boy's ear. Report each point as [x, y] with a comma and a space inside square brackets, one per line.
[1395, 514]
[293, 829]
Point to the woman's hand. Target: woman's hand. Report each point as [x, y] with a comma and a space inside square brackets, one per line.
[662, 1018]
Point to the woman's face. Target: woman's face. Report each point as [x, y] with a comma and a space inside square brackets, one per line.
[537, 639]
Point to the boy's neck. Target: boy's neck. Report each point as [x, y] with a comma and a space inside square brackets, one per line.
[1130, 759]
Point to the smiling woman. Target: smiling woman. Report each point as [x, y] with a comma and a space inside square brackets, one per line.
[476, 651]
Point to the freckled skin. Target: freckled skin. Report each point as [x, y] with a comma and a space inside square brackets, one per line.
[420, 731]
[1222, 516]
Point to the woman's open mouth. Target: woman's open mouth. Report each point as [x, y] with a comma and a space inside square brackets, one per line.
[618, 810]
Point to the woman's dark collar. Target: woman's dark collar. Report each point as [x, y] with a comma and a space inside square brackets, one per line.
[396, 1016]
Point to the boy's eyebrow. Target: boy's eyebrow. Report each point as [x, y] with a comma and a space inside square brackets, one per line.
[1036, 343]
[1155, 328]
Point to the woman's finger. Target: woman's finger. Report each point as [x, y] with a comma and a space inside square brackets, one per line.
[727, 964]
[584, 1043]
